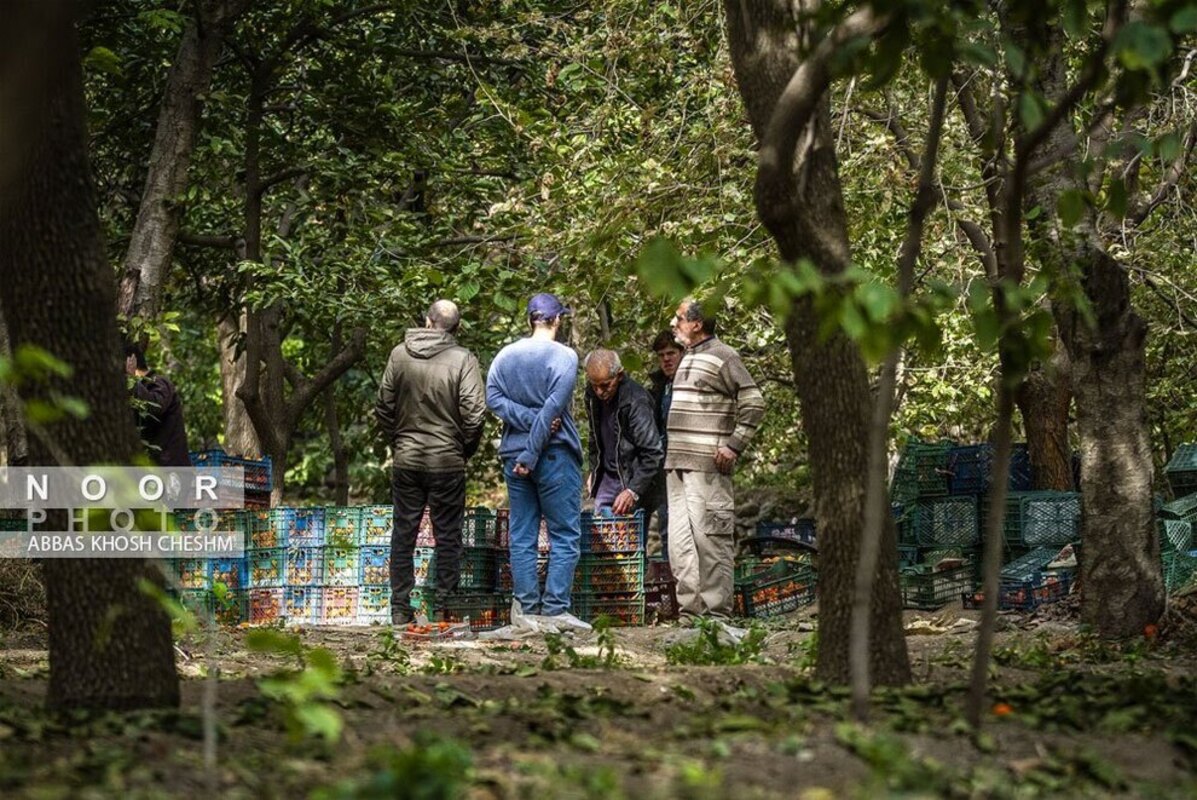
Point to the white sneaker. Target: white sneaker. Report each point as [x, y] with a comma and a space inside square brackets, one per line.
[565, 621]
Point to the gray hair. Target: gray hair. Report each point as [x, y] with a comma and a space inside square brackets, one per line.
[695, 312]
[444, 316]
[607, 360]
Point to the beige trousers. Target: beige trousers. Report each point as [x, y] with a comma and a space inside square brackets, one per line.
[701, 541]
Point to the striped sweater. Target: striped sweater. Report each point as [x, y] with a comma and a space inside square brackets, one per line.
[715, 403]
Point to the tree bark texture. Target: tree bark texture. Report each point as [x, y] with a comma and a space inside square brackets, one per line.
[1121, 580]
[1044, 400]
[152, 242]
[239, 436]
[804, 212]
[12, 425]
[110, 645]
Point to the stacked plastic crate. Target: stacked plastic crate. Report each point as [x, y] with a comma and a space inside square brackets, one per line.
[1178, 521]
[609, 580]
[259, 474]
[660, 592]
[777, 574]
[938, 531]
[503, 533]
[477, 599]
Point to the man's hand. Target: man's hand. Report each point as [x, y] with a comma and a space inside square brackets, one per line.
[624, 503]
[555, 425]
[521, 471]
[725, 459]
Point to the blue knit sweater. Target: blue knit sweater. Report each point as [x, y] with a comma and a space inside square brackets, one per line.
[530, 383]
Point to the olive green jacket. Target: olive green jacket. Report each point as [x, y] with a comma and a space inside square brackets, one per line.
[431, 403]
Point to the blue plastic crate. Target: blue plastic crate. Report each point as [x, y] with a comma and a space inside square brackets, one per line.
[305, 566]
[375, 566]
[799, 531]
[970, 469]
[301, 604]
[1025, 595]
[232, 572]
[187, 573]
[302, 527]
[259, 473]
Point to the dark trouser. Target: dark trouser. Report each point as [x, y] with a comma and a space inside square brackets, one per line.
[444, 494]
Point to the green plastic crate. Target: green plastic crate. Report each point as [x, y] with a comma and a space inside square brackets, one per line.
[343, 526]
[922, 471]
[1180, 570]
[928, 589]
[947, 521]
[620, 572]
[1181, 471]
[1035, 519]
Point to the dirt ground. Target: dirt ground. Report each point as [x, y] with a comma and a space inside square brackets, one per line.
[536, 719]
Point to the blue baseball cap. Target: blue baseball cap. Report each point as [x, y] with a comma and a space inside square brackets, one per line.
[546, 306]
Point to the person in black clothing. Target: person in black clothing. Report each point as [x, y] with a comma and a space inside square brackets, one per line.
[669, 355]
[625, 444]
[160, 417]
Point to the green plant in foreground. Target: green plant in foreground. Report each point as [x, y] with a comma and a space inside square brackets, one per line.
[607, 657]
[710, 649]
[304, 693]
[432, 768]
[390, 653]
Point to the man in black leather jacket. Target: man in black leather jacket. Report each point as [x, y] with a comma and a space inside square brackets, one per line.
[625, 445]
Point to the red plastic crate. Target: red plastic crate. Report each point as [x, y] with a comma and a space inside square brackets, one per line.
[265, 606]
[339, 605]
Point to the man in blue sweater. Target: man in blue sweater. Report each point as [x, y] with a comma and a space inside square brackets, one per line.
[530, 387]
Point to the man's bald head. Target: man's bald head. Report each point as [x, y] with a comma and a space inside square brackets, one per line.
[603, 365]
[444, 316]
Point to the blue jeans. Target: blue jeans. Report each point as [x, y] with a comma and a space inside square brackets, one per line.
[554, 490]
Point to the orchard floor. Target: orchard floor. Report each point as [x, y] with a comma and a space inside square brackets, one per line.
[1071, 717]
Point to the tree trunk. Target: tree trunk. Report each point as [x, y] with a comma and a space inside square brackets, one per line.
[152, 242]
[804, 211]
[337, 443]
[1121, 579]
[110, 645]
[1044, 400]
[12, 425]
[239, 435]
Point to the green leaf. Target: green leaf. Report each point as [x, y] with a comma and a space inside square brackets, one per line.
[265, 640]
[660, 267]
[1184, 20]
[1168, 146]
[1016, 59]
[1075, 17]
[1071, 207]
[320, 720]
[1030, 110]
[1117, 200]
[1142, 46]
[101, 59]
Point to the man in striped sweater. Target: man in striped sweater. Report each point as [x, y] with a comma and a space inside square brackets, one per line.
[715, 411]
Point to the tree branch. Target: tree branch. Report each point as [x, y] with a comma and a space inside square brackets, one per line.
[459, 240]
[796, 107]
[464, 58]
[309, 31]
[307, 391]
[1169, 179]
[281, 176]
[210, 240]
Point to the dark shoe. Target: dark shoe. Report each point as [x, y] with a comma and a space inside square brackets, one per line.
[402, 617]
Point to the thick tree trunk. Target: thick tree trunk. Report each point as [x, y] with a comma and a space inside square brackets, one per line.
[110, 645]
[1044, 400]
[804, 212]
[152, 242]
[1121, 579]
